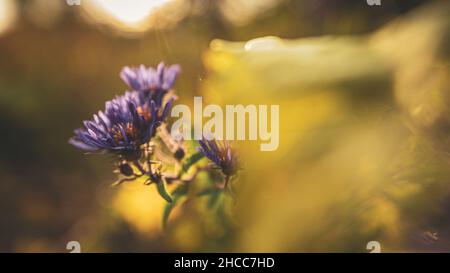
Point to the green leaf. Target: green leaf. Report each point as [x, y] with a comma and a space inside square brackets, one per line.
[207, 191]
[214, 198]
[191, 161]
[162, 190]
[178, 194]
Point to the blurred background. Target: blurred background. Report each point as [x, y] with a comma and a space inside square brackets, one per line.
[364, 111]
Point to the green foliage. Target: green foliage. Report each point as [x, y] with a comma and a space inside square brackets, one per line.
[177, 196]
[162, 190]
[191, 161]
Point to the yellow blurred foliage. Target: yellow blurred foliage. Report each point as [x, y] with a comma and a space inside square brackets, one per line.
[140, 206]
[351, 167]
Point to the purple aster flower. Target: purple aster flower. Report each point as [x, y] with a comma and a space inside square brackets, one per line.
[127, 123]
[221, 154]
[118, 109]
[153, 82]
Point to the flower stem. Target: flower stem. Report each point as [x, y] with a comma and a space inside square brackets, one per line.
[139, 166]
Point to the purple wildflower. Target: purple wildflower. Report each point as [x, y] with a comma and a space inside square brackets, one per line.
[221, 154]
[154, 83]
[127, 123]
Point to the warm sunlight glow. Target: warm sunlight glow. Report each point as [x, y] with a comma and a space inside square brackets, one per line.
[8, 14]
[135, 15]
[129, 12]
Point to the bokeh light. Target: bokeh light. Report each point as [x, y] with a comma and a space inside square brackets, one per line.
[8, 15]
[135, 16]
[241, 12]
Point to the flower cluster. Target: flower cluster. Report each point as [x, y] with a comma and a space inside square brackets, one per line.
[129, 121]
[133, 128]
